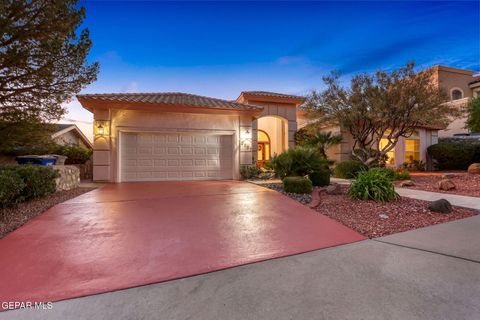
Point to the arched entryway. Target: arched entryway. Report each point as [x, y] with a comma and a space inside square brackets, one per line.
[263, 147]
[272, 137]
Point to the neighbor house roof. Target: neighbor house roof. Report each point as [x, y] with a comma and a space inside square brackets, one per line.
[63, 128]
[475, 81]
[168, 99]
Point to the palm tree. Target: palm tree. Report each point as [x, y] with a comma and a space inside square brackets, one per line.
[324, 140]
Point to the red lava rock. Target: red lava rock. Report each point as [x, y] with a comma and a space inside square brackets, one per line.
[12, 218]
[466, 184]
[403, 214]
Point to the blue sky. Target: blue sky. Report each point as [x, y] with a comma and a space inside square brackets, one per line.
[221, 48]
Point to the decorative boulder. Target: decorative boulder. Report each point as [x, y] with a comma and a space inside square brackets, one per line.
[474, 168]
[446, 184]
[442, 206]
[316, 197]
[334, 189]
[407, 183]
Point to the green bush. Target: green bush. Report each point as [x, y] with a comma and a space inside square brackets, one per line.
[454, 156]
[393, 173]
[297, 185]
[11, 186]
[249, 171]
[348, 169]
[320, 178]
[75, 154]
[299, 161]
[373, 185]
[39, 180]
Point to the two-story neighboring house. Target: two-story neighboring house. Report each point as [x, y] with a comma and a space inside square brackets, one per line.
[461, 85]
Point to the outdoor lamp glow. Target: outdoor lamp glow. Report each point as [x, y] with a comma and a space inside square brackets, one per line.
[100, 130]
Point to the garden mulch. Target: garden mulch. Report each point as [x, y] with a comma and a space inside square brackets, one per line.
[13, 218]
[375, 219]
[466, 184]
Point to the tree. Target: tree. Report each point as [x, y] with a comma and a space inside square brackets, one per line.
[42, 58]
[383, 105]
[473, 118]
[312, 136]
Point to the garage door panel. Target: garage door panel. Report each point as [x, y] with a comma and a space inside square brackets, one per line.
[175, 156]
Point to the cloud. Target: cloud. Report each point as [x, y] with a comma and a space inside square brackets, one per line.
[378, 56]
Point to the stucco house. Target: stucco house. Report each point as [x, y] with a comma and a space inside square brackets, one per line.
[461, 85]
[179, 136]
[70, 134]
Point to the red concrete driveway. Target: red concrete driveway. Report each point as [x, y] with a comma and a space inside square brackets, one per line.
[131, 234]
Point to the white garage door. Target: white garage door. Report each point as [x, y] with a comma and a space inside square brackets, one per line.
[175, 156]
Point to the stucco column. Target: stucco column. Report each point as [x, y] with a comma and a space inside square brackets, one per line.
[102, 146]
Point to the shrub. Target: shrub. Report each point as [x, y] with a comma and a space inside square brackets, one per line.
[348, 169]
[299, 161]
[11, 186]
[415, 165]
[39, 180]
[393, 173]
[297, 185]
[454, 156]
[249, 171]
[373, 185]
[401, 174]
[75, 154]
[320, 178]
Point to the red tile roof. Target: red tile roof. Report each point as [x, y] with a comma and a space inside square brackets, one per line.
[272, 94]
[170, 98]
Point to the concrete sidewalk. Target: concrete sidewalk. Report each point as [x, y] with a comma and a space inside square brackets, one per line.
[429, 273]
[456, 200]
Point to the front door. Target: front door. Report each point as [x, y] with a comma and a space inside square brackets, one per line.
[262, 155]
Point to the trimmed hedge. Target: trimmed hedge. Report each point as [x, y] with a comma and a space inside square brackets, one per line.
[320, 178]
[348, 169]
[74, 153]
[36, 181]
[454, 156]
[297, 185]
[373, 185]
[11, 186]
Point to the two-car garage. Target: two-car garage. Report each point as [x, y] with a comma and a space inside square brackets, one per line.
[162, 156]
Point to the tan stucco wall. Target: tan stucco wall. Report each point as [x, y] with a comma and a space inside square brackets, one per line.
[105, 155]
[343, 151]
[284, 112]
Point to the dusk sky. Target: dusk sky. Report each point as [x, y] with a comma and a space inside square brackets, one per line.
[219, 49]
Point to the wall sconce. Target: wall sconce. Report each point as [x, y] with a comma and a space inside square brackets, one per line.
[246, 139]
[100, 130]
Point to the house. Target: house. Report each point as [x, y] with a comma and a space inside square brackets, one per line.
[179, 136]
[461, 85]
[70, 134]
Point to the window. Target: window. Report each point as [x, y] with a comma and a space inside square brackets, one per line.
[390, 154]
[263, 147]
[412, 148]
[457, 94]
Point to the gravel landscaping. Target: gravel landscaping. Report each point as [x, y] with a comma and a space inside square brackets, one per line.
[374, 219]
[466, 184]
[13, 218]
